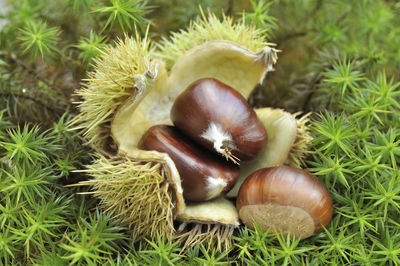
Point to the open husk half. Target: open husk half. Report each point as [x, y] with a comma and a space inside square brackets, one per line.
[132, 88]
[286, 144]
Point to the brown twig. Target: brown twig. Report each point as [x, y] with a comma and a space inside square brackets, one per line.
[229, 10]
[27, 97]
[36, 75]
[316, 81]
[316, 8]
[291, 36]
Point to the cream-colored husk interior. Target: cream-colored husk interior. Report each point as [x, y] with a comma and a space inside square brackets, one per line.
[223, 60]
[229, 63]
[132, 119]
[156, 90]
[281, 129]
[220, 209]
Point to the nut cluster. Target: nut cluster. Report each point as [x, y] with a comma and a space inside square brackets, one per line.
[212, 121]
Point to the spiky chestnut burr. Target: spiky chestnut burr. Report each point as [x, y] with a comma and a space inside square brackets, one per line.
[219, 118]
[204, 175]
[137, 192]
[286, 200]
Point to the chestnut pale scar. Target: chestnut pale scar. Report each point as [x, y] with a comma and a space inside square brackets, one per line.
[215, 186]
[272, 217]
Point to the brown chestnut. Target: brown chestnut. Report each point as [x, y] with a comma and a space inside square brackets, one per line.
[219, 118]
[204, 175]
[285, 199]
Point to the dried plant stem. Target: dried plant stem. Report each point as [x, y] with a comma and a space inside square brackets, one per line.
[216, 236]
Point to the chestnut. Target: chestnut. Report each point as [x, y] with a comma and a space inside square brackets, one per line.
[219, 118]
[285, 199]
[204, 175]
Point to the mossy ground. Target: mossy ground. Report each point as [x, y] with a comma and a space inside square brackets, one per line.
[339, 59]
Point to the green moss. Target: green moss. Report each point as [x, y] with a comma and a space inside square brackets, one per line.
[339, 60]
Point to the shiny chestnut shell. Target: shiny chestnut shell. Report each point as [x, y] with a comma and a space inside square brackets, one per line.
[204, 175]
[219, 118]
[285, 199]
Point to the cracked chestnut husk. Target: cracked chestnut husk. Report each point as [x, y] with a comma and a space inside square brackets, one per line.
[204, 175]
[131, 88]
[286, 200]
[216, 116]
